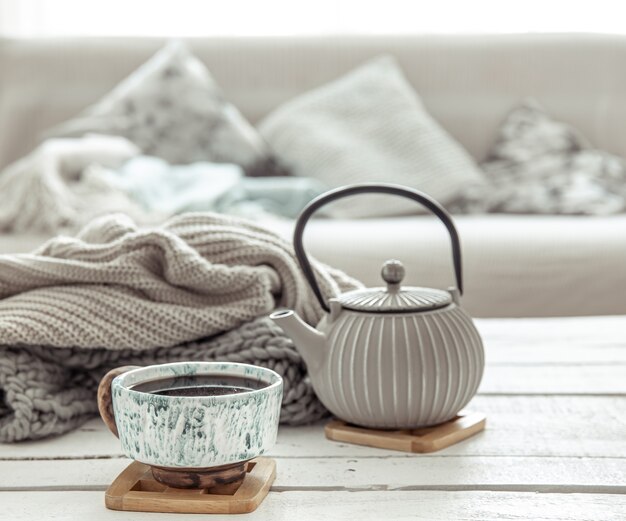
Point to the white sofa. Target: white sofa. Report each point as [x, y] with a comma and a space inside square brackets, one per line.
[514, 265]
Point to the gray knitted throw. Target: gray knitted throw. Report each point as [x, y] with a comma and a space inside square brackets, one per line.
[197, 288]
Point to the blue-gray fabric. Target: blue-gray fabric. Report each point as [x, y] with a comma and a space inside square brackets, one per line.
[160, 187]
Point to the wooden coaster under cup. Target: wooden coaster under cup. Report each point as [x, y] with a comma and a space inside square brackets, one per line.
[426, 439]
[136, 489]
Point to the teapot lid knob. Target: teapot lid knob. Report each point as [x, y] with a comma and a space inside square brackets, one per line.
[394, 298]
[393, 272]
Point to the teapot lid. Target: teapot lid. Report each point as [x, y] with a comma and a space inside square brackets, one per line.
[394, 298]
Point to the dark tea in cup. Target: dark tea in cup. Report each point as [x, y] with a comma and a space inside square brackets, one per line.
[199, 385]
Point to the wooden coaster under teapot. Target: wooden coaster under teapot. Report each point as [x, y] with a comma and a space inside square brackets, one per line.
[422, 440]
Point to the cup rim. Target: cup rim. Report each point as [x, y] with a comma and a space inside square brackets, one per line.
[278, 380]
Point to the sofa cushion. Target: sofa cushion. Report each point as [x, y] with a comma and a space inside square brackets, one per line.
[540, 165]
[369, 126]
[172, 108]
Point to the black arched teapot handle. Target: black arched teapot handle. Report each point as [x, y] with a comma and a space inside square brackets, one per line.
[372, 188]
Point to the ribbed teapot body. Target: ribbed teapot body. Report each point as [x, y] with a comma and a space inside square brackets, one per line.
[402, 370]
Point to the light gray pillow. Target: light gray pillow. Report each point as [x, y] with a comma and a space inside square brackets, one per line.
[540, 165]
[171, 107]
[369, 126]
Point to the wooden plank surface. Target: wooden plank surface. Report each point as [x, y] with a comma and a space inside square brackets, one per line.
[588, 364]
[595, 331]
[548, 354]
[559, 426]
[539, 474]
[566, 379]
[555, 396]
[374, 505]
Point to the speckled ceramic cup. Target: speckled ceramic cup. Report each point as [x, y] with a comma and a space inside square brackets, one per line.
[183, 437]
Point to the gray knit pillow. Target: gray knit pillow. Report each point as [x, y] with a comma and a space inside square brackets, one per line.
[369, 126]
[171, 107]
[540, 165]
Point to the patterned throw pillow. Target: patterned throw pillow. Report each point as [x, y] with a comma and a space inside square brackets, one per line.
[369, 126]
[172, 108]
[539, 165]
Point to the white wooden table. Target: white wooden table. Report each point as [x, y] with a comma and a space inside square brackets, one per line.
[554, 393]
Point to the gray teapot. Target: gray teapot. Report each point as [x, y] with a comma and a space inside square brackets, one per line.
[391, 357]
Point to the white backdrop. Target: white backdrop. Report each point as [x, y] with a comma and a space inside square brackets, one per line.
[33, 18]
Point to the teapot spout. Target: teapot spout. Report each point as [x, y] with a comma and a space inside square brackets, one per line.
[309, 342]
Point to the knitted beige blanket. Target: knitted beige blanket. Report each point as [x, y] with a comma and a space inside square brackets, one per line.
[117, 288]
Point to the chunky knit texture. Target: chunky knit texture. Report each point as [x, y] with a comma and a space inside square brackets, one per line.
[51, 391]
[116, 295]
